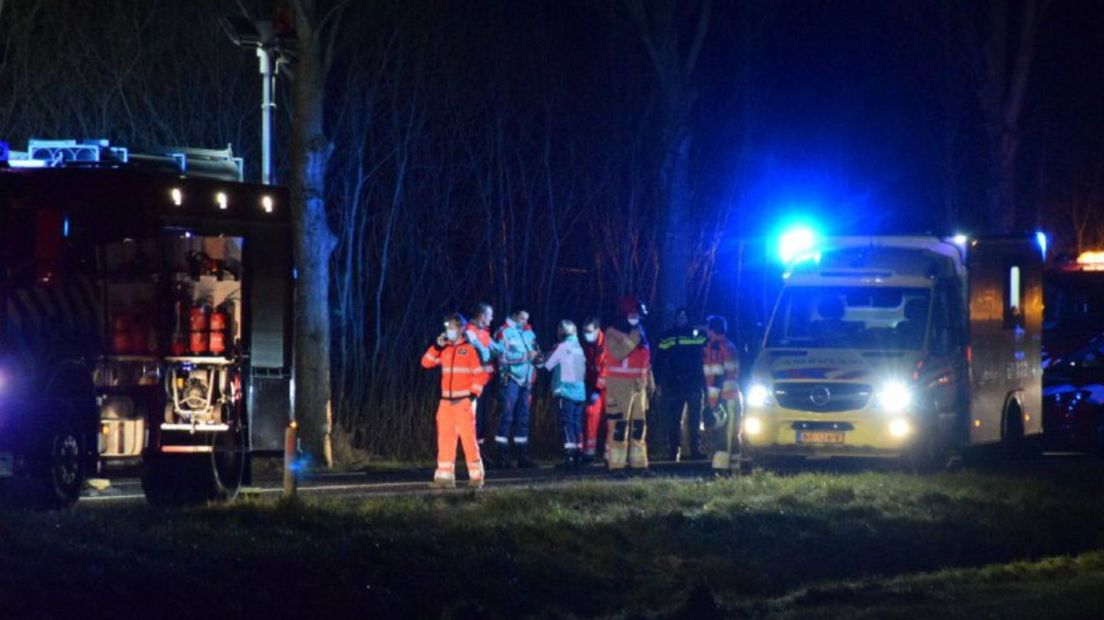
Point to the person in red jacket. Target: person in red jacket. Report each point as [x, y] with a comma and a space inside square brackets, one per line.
[594, 347]
[461, 383]
[721, 366]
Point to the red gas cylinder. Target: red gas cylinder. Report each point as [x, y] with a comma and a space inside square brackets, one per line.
[218, 331]
[198, 317]
[198, 321]
[199, 343]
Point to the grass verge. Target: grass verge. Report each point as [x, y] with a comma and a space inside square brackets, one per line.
[759, 545]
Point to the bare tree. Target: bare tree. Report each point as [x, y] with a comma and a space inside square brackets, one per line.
[673, 49]
[1000, 46]
[315, 24]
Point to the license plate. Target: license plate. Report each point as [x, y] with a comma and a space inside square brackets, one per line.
[826, 437]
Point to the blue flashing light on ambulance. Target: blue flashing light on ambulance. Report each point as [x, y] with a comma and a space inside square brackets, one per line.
[899, 347]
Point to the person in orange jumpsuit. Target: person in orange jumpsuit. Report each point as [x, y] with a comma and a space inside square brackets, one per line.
[627, 385]
[461, 383]
[594, 347]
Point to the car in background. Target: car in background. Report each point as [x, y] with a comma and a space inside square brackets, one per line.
[1073, 399]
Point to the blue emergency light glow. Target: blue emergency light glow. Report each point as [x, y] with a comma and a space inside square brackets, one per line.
[796, 243]
[1041, 239]
[65, 228]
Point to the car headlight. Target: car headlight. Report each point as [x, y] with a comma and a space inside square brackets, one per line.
[752, 426]
[895, 396]
[758, 395]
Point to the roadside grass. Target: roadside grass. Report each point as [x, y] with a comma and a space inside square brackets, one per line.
[1057, 587]
[759, 545]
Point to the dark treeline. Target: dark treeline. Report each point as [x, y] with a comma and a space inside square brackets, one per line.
[543, 153]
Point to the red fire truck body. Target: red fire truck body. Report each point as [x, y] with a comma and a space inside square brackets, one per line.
[145, 316]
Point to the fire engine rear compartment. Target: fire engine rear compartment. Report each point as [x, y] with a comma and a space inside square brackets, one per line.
[191, 297]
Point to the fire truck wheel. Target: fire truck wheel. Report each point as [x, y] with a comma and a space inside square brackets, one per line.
[190, 479]
[60, 472]
[227, 465]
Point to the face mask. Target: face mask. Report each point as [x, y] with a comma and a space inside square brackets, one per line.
[452, 334]
[634, 322]
[591, 336]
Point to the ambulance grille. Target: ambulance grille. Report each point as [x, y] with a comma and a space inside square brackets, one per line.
[822, 397]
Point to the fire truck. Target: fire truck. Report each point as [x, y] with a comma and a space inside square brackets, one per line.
[901, 347]
[145, 318]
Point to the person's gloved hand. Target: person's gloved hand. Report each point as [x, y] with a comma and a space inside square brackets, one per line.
[595, 397]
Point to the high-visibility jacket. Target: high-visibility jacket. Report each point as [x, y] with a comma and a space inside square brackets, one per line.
[628, 355]
[515, 362]
[480, 338]
[461, 369]
[596, 361]
[721, 368]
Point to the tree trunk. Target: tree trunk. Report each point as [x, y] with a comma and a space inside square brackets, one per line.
[314, 241]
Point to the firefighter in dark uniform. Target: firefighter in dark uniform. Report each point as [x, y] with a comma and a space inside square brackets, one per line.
[679, 374]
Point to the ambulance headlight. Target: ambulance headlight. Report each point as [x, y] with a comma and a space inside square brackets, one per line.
[753, 425]
[894, 396]
[758, 395]
[900, 428]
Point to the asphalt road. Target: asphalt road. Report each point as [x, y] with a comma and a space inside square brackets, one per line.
[354, 485]
[404, 482]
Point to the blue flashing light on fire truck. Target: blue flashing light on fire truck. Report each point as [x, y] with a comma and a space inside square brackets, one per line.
[145, 318]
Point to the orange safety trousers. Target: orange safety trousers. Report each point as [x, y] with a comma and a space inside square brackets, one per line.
[456, 419]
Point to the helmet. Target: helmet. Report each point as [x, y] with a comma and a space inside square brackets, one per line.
[715, 418]
[630, 304]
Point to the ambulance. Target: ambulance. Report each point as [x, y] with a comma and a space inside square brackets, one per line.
[900, 348]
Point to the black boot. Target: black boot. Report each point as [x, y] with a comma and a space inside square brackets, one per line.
[568, 463]
[501, 456]
[577, 459]
[522, 452]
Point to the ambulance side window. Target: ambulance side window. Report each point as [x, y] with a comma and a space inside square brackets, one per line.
[948, 323]
[1013, 296]
[942, 336]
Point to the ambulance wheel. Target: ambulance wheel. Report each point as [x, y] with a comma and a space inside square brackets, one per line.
[1012, 433]
[191, 479]
[60, 469]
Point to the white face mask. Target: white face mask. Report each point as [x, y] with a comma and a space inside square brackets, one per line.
[591, 336]
[452, 334]
[634, 322]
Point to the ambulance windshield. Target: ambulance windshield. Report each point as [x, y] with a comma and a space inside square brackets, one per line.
[850, 317]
